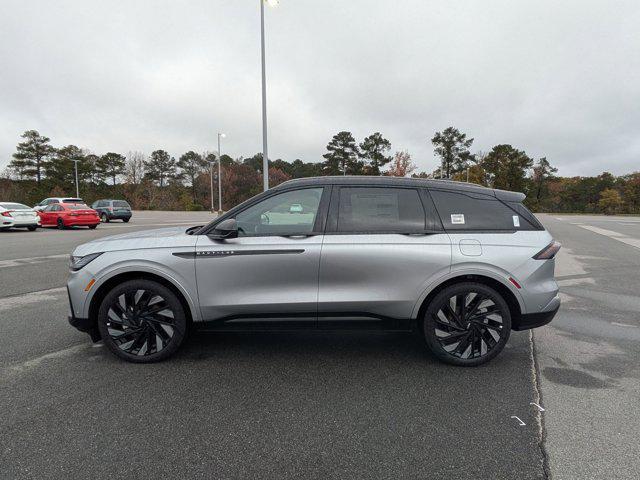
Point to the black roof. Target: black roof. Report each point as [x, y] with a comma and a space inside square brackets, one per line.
[404, 181]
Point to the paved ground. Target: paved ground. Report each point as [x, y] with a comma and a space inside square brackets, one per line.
[323, 406]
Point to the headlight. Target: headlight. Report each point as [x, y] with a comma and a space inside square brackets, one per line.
[76, 263]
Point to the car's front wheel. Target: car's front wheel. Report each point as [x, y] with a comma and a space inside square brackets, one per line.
[467, 324]
[142, 321]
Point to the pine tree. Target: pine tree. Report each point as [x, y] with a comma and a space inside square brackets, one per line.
[32, 155]
[110, 165]
[160, 167]
[342, 156]
[373, 151]
[452, 146]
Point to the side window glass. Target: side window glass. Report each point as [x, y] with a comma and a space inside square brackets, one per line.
[461, 211]
[379, 209]
[288, 213]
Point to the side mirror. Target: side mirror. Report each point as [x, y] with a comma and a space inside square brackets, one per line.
[225, 229]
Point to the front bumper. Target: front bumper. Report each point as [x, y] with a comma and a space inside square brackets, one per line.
[85, 325]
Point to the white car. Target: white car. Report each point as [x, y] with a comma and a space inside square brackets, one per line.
[48, 201]
[17, 215]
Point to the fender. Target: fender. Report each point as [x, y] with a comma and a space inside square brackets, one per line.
[143, 267]
[461, 270]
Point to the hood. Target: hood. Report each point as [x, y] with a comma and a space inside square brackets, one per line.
[158, 238]
[155, 233]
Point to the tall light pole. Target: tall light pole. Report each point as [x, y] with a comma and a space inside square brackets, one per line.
[220, 135]
[76, 170]
[211, 175]
[265, 155]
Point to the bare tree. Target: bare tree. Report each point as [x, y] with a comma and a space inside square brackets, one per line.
[134, 167]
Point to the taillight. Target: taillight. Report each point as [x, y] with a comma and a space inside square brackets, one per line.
[7, 214]
[548, 252]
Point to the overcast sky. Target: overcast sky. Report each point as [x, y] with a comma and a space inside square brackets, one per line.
[559, 79]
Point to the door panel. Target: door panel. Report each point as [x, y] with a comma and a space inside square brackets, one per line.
[268, 276]
[382, 248]
[375, 279]
[270, 281]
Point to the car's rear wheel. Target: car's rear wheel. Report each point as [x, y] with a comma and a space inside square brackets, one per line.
[467, 324]
[125, 220]
[142, 321]
[104, 218]
[60, 224]
[31, 229]
[92, 227]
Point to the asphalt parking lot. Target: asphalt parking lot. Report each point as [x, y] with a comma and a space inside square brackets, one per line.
[324, 405]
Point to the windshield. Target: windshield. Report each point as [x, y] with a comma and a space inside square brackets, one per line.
[72, 200]
[77, 207]
[121, 204]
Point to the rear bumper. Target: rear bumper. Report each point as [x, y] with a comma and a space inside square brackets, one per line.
[118, 216]
[538, 319]
[81, 223]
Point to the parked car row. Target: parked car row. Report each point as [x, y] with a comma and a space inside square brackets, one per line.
[62, 212]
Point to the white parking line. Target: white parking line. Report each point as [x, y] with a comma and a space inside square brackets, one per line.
[16, 262]
[8, 303]
[634, 242]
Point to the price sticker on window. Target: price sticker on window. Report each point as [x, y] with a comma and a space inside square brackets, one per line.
[457, 218]
[516, 221]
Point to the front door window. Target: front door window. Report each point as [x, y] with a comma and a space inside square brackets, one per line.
[288, 213]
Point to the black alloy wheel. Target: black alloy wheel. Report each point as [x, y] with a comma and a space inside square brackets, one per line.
[142, 321]
[60, 224]
[467, 324]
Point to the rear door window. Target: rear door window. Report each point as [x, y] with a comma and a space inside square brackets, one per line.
[478, 212]
[380, 210]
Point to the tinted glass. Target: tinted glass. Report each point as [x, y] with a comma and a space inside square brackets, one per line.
[379, 209]
[77, 207]
[56, 208]
[288, 213]
[472, 211]
[72, 200]
[121, 204]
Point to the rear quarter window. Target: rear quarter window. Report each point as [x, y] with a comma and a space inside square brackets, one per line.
[479, 212]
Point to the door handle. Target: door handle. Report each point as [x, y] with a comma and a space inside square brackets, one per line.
[297, 237]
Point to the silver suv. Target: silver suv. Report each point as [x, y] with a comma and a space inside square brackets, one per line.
[461, 264]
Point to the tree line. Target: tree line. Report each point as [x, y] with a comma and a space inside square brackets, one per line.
[160, 181]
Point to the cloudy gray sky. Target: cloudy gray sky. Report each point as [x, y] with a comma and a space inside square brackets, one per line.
[559, 79]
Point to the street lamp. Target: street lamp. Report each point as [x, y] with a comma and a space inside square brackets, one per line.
[220, 135]
[265, 155]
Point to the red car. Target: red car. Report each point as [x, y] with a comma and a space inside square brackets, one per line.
[64, 215]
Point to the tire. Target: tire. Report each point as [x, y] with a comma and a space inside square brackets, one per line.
[60, 224]
[483, 334]
[93, 227]
[32, 229]
[125, 220]
[135, 335]
[104, 218]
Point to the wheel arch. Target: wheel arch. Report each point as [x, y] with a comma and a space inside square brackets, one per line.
[515, 307]
[119, 278]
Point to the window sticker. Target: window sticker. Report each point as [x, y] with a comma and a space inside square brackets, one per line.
[457, 218]
[516, 221]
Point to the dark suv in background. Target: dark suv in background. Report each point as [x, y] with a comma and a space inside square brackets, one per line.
[112, 210]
